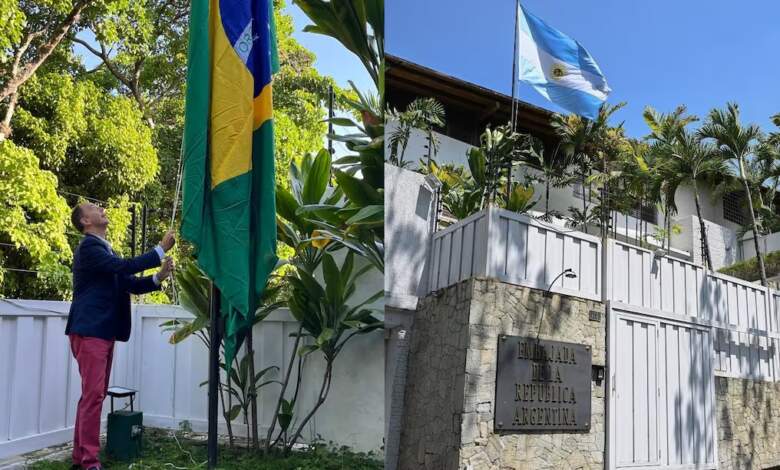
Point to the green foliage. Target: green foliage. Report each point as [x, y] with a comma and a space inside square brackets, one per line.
[286, 414]
[325, 311]
[33, 219]
[96, 143]
[12, 19]
[520, 198]
[300, 93]
[423, 115]
[357, 24]
[309, 184]
[748, 270]
[161, 450]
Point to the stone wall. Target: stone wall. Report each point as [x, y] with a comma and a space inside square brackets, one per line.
[748, 416]
[433, 401]
[448, 419]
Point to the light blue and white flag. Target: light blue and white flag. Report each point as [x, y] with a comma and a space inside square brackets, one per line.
[558, 67]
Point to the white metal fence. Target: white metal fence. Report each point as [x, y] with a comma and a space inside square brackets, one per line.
[662, 394]
[40, 385]
[516, 249]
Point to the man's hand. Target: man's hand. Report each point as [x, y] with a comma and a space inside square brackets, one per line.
[168, 240]
[166, 269]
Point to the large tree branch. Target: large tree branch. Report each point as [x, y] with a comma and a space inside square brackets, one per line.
[102, 54]
[132, 81]
[22, 49]
[5, 125]
[25, 72]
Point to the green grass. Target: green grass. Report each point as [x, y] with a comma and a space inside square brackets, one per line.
[160, 450]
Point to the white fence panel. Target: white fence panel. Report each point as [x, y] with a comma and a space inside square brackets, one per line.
[516, 249]
[664, 284]
[40, 383]
[528, 252]
[663, 392]
[467, 239]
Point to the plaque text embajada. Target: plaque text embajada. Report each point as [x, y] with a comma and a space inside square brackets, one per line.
[542, 385]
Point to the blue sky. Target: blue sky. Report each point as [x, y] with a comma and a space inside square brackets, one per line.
[332, 58]
[660, 53]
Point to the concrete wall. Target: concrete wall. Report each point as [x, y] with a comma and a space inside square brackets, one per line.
[450, 150]
[767, 244]
[410, 205]
[722, 241]
[748, 415]
[450, 393]
[711, 206]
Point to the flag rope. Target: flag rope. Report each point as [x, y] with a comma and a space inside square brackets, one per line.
[179, 172]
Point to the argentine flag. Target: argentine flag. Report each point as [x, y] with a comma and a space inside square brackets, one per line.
[558, 67]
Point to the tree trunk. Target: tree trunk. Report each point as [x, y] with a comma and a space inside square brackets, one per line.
[604, 202]
[547, 197]
[754, 227]
[703, 229]
[326, 381]
[5, 125]
[24, 73]
[252, 390]
[284, 388]
[584, 203]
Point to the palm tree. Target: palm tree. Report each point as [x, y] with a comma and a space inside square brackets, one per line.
[423, 114]
[737, 142]
[582, 143]
[550, 170]
[691, 161]
[665, 128]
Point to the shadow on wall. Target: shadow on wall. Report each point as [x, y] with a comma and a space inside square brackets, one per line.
[409, 222]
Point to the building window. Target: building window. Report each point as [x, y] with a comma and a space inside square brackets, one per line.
[733, 207]
[645, 212]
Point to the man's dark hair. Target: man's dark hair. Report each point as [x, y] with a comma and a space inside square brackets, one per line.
[75, 218]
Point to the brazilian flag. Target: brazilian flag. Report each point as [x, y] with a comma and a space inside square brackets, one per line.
[228, 208]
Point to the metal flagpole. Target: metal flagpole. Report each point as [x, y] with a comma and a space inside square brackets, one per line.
[214, 343]
[514, 109]
[513, 116]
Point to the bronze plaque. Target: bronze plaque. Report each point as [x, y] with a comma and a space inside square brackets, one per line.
[542, 386]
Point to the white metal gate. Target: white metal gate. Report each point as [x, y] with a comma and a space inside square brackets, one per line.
[661, 394]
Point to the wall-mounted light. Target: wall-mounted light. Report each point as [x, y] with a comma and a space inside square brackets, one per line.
[597, 373]
[568, 273]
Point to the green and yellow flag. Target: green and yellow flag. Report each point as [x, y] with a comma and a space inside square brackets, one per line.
[228, 207]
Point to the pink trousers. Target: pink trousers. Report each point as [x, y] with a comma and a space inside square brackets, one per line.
[94, 356]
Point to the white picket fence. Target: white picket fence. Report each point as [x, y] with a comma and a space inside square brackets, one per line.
[40, 385]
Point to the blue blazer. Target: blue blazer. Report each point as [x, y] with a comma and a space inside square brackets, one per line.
[102, 284]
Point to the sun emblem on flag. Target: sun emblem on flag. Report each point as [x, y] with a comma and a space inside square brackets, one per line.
[558, 71]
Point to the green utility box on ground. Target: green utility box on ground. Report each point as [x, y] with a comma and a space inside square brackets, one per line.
[124, 430]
